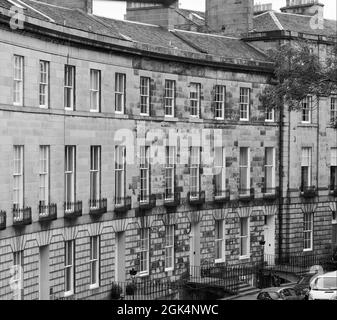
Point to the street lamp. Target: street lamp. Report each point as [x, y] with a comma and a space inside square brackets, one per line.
[133, 274]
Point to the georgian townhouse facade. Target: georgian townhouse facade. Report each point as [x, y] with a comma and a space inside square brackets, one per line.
[125, 146]
[121, 154]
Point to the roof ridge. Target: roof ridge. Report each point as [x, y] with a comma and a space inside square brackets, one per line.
[129, 21]
[207, 34]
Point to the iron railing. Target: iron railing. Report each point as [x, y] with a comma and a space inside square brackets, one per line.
[308, 191]
[122, 204]
[143, 290]
[147, 202]
[246, 194]
[3, 218]
[22, 216]
[72, 209]
[98, 206]
[172, 199]
[196, 198]
[270, 193]
[47, 212]
[222, 195]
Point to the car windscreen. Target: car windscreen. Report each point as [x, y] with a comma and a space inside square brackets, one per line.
[326, 283]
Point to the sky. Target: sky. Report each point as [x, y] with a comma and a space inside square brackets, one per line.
[117, 9]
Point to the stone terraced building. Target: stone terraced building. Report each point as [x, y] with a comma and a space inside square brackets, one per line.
[126, 145]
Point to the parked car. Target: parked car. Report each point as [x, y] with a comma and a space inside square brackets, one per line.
[324, 287]
[302, 287]
[279, 293]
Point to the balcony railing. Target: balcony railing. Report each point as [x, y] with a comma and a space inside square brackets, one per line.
[246, 194]
[122, 204]
[72, 209]
[147, 202]
[196, 198]
[172, 199]
[221, 196]
[22, 217]
[98, 207]
[47, 212]
[3, 218]
[270, 193]
[308, 191]
[333, 190]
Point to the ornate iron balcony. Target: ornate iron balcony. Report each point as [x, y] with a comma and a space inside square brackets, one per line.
[270, 193]
[221, 196]
[147, 202]
[246, 194]
[122, 204]
[22, 217]
[308, 191]
[196, 198]
[47, 212]
[72, 209]
[3, 218]
[98, 207]
[172, 199]
[333, 190]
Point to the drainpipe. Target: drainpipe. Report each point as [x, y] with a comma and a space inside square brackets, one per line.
[280, 209]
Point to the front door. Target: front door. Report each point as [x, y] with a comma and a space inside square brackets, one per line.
[195, 250]
[44, 273]
[269, 237]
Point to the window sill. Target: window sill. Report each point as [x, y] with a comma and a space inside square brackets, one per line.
[244, 257]
[220, 261]
[68, 294]
[169, 269]
[219, 119]
[144, 114]
[244, 120]
[44, 107]
[93, 286]
[269, 121]
[143, 274]
[94, 111]
[307, 250]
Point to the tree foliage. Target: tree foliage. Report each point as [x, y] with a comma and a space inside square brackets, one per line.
[299, 72]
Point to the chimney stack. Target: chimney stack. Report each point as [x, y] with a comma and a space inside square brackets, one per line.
[230, 17]
[163, 14]
[85, 5]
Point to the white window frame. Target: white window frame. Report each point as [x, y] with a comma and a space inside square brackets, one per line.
[269, 166]
[195, 99]
[44, 178]
[69, 265]
[144, 252]
[70, 158]
[145, 89]
[244, 104]
[195, 154]
[308, 231]
[144, 174]
[220, 241]
[270, 115]
[18, 276]
[220, 102]
[220, 167]
[170, 98]
[334, 217]
[18, 80]
[245, 166]
[246, 237]
[44, 84]
[69, 87]
[120, 92]
[170, 163]
[169, 247]
[120, 158]
[307, 108]
[306, 161]
[94, 262]
[18, 182]
[333, 108]
[95, 90]
[95, 170]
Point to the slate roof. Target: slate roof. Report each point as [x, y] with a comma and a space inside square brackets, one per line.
[223, 46]
[272, 21]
